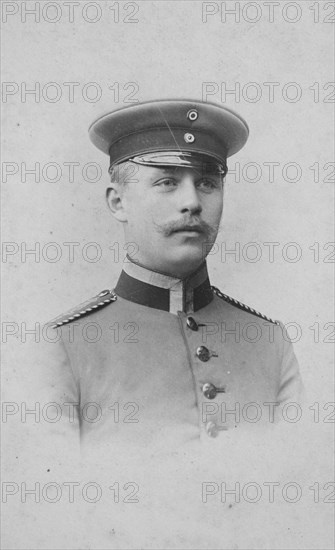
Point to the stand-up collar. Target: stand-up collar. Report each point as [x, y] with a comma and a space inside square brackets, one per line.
[158, 290]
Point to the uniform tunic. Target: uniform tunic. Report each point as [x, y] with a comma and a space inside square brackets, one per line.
[161, 358]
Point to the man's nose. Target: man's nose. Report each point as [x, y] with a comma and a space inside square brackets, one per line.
[188, 196]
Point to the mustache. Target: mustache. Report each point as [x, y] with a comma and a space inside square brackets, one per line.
[187, 224]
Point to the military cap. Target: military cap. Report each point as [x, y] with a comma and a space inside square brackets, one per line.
[169, 132]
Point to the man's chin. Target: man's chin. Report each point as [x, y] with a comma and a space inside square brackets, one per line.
[186, 258]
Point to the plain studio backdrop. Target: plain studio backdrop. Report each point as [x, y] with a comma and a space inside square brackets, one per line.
[67, 63]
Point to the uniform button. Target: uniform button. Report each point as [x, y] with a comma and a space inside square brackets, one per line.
[192, 115]
[210, 391]
[212, 429]
[189, 138]
[192, 324]
[203, 353]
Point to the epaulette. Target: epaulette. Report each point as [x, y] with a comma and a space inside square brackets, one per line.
[97, 302]
[240, 305]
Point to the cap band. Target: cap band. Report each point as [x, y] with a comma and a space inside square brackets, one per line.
[165, 139]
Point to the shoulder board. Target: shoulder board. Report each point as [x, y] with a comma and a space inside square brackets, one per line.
[238, 304]
[97, 302]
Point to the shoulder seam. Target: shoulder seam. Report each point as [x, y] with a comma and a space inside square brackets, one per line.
[240, 305]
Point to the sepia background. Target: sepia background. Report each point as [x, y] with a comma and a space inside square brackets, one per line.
[272, 63]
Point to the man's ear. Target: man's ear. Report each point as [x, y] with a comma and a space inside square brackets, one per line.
[115, 202]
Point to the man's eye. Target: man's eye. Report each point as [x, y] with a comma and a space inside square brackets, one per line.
[208, 184]
[166, 183]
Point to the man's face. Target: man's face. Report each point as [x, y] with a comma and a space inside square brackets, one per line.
[172, 215]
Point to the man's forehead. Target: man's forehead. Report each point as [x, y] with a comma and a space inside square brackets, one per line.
[162, 163]
[136, 172]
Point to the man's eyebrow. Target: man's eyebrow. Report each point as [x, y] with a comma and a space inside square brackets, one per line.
[167, 169]
[209, 172]
[199, 171]
[212, 171]
[164, 170]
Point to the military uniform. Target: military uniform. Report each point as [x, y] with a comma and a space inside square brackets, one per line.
[168, 358]
[164, 357]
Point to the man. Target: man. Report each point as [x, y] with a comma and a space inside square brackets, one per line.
[182, 369]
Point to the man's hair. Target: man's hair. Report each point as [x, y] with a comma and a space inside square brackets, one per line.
[123, 173]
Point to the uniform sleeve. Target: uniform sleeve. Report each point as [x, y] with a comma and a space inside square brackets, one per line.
[59, 396]
[291, 386]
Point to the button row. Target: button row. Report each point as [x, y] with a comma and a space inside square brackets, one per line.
[203, 353]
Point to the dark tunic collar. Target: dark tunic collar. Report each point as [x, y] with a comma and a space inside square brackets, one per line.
[160, 291]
